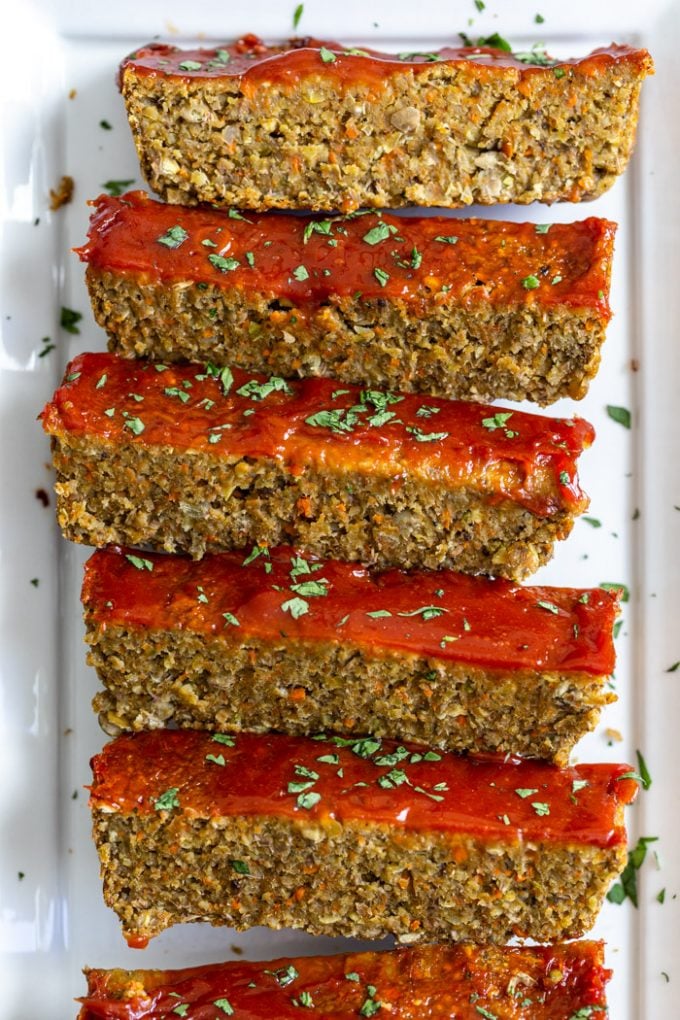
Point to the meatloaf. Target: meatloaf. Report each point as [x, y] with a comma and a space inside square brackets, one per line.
[316, 125]
[469, 309]
[275, 640]
[195, 458]
[461, 982]
[345, 836]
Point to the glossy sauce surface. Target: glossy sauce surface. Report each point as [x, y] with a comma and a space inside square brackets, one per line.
[370, 780]
[427, 983]
[252, 62]
[487, 623]
[420, 261]
[527, 458]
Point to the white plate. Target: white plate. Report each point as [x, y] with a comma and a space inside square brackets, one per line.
[53, 920]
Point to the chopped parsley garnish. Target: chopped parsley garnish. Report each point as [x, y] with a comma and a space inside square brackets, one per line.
[224, 738]
[230, 618]
[308, 799]
[240, 867]
[324, 227]
[378, 614]
[190, 65]
[540, 808]
[250, 258]
[174, 391]
[674, 668]
[499, 421]
[216, 759]
[621, 415]
[549, 606]
[136, 425]
[139, 562]
[427, 612]
[531, 282]
[485, 1013]
[542, 228]
[167, 800]
[559, 72]
[224, 265]
[285, 976]
[297, 607]
[116, 188]
[381, 276]
[564, 478]
[379, 233]
[301, 273]
[447, 238]
[297, 14]
[426, 437]
[173, 237]
[627, 887]
[183, 1007]
[371, 1006]
[310, 589]
[223, 375]
[225, 1006]
[352, 976]
[68, 320]
[326, 55]
[592, 521]
[105, 126]
[258, 391]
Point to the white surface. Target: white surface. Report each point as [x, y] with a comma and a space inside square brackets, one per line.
[53, 921]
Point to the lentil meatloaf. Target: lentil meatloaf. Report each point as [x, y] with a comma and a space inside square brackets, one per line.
[357, 837]
[471, 309]
[193, 458]
[283, 642]
[314, 125]
[461, 982]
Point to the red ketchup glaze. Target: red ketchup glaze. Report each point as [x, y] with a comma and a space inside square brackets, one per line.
[487, 623]
[443, 792]
[251, 62]
[429, 982]
[486, 263]
[180, 406]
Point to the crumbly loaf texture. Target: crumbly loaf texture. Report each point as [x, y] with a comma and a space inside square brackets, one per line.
[365, 880]
[155, 678]
[114, 494]
[482, 353]
[450, 135]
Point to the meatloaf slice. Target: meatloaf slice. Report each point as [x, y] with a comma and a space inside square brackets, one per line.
[344, 836]
[314, 125]
[277, 641]
[461, 982]
[471, 309]
[193, 458]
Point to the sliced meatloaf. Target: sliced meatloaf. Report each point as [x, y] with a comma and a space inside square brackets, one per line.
[469, 309]
[316, 125]
[276, 640]
[460, 982]
[344, 836]
[194, 458]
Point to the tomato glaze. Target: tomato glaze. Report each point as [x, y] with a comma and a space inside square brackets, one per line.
[237, 597]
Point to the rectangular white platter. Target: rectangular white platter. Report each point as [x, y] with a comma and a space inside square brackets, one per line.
[52, 918]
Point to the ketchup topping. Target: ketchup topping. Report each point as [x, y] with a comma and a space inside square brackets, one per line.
[267, 594]
[497, 799]
[527, 458]
[308, 261]
[251, 62]
[430, 982]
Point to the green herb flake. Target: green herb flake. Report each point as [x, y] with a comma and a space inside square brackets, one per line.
[426, 437]
[524, 793]
[224, 738]
[627, 887]
[531, 282]
[35, 581]
[539, 19]
[285, 976]
[550, 607]
[329, 759]
[259, 391]
[190, 65]
[618, 588]
[240, 867]
[173, 237]
[72, 376]
[216, 759]
[661, 896]
[310, 589]
[101, 382]
[109, 412]
[297, 14]
[381, 276]
[645, 777]
[297, 607]
[378, 614]
[301, 273]
[621, 415]
[250, 258]
[542, 228]
[577, 785]
[370, 1006]
[326, 55]
[540, 808]
[427, 612]
[183, 1008]
[559, 72]
[485, 1013]
[230, 618]
[306, 1000]
[480, 5]
[379, 233]
[352, 976]
[116, 188]
[224, 265]
[68, 320]
[173, 391]
[167, 800]
[225, 1006]
[105, 126]
[136, 425]
[308, 799]
[674, 668]
[446, 239]
[139, 562]
[592, 521]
